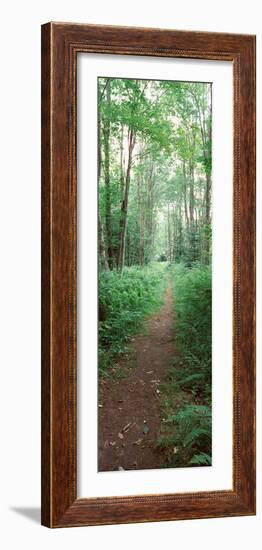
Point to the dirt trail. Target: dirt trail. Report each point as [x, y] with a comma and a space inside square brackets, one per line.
[130, 413]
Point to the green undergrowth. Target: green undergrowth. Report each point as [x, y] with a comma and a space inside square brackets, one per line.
[187, 425]
[125, 300]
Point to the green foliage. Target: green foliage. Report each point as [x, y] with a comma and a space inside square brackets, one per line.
[193, 327]
[164, 129]
[124, 302]
[201, 459]
[155, 203]
[189, 433]
[188, 422]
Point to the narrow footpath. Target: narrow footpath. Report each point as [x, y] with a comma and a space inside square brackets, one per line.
[130, 408]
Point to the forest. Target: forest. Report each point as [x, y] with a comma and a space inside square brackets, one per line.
[155, 254]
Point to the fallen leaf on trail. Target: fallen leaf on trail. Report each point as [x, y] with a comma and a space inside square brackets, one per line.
[126, 428]
[149, 371]
[138, 441]
[146, 429]
[101, 406]
[112, 443]
[120, 435]
[157, 391]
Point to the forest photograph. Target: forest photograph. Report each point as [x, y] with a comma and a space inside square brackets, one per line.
[154, 274]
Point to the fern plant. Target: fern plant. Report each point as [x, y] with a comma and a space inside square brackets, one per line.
[125, 299]
[186, 433]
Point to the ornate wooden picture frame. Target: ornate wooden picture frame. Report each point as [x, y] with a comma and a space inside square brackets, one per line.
[61, 43]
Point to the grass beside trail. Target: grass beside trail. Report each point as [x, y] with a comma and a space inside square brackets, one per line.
[125, 300]
[186, 428]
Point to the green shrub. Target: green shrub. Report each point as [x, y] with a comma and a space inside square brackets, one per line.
[193, 328]
[190, 436]
[187, 428]
[125, 299]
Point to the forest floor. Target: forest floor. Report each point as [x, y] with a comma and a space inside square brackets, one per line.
[130, 406]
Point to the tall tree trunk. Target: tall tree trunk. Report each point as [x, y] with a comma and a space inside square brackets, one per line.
[122, 179]
[108, 217]
[169, 240]
[206, 137]
[103, 261]
[124, 206]
[141, 223]
[191, 195]
[207, 218]
[175, 233]
[102, 249]
[127, 247]
[192, 180]
[150, 207]
[208, 198]
[180, 234]
[142, 241]
[192, 233]
[185, 192]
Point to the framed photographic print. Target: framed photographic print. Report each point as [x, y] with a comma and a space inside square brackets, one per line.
[148, 275]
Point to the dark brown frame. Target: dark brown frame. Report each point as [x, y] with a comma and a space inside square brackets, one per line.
[60, 44]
